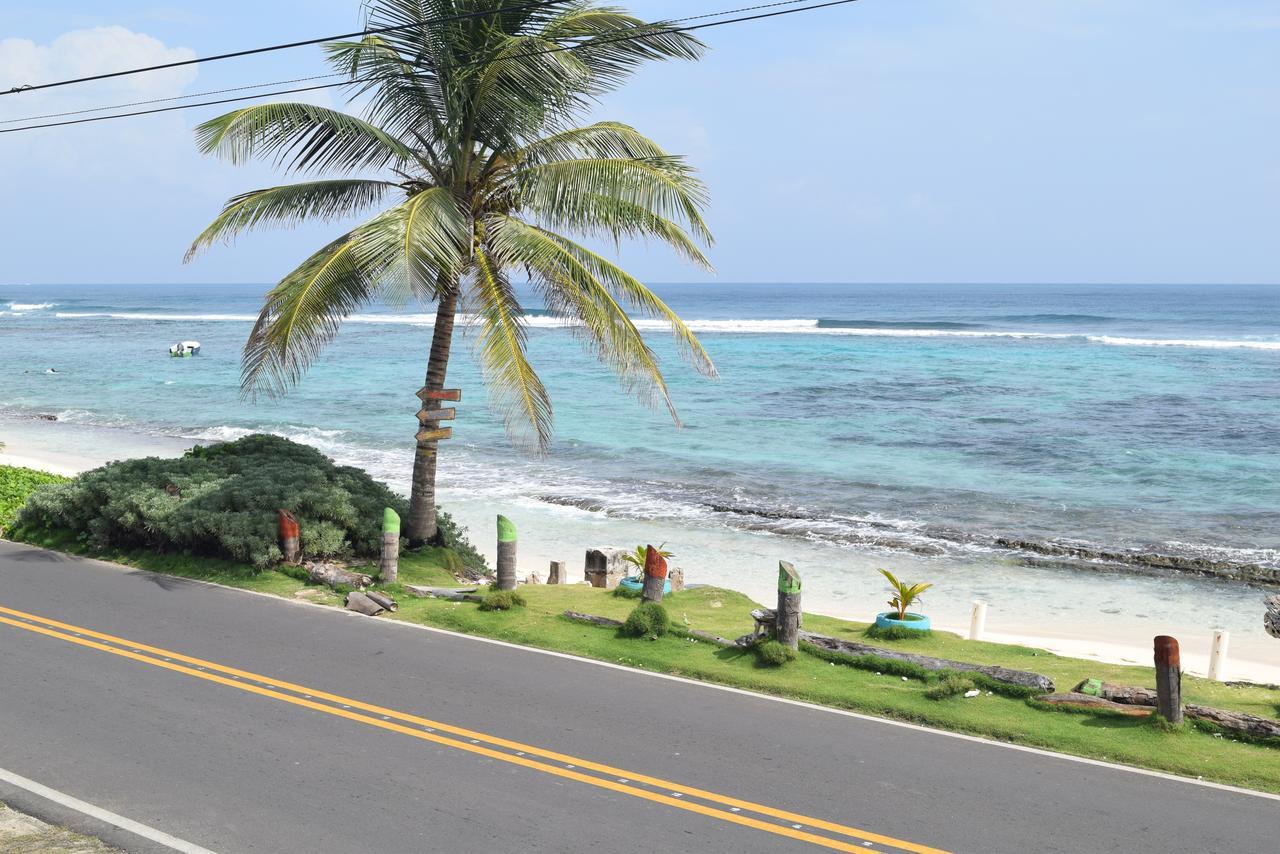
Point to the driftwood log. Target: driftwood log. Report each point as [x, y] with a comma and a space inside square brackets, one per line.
[704, 636]
[1035, 681]
[1240, 722]
[384, 600]
[1076, 700]
[607, 622]
[362, 604]
[334, 575]
[451, 593]
[1129, 695]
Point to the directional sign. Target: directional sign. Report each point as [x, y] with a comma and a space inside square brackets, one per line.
[440, 394]
[437, 414]
[434, 435]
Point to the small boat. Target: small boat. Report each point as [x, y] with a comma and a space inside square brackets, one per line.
[183, 349]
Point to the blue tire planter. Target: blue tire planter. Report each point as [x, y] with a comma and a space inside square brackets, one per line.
[887, 620]
[637, 585]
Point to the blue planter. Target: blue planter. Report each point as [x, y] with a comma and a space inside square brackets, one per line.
[887, 620]
[635, 584]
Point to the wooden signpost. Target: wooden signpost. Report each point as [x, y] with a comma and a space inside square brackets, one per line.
[787, 619]
[506, 554]
[431, 413]
[1168, 679]
[655, 575]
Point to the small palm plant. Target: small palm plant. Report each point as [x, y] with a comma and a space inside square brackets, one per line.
[637, 558]
[904, 594]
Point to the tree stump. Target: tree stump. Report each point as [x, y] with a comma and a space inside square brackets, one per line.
[604, 567]
[676, 576]
[655, 575]
[1168, 679]
[389, 563]
[506, 554]
[787, 617]
[290, 537]
[559, 573]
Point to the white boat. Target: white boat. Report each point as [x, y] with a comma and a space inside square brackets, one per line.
[183, 349]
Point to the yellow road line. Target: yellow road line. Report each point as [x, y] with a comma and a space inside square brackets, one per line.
[135, 651]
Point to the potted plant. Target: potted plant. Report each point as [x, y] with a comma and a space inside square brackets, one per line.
[635, 583]
[904, 595]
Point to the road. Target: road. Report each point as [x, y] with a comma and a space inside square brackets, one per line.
[242, 723]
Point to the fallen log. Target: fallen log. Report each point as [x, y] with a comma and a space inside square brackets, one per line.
[384, 600]
[1076, 700]
[1021, 678]
[704, 636]
[334, 575]
[1126, 694]
[607, 622]
[1240, 722]
[362, 604]
[453, 594]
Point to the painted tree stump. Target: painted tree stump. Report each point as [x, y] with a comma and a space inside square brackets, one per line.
[506, 554]
[655, 575]
[787, 617]
[1168, 679]
[290, 537]
[389, 562]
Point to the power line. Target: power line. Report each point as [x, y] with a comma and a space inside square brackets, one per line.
[174, 98]
[648, 31]
[251, 51]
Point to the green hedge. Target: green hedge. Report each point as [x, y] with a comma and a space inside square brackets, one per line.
[222, 500]
[16, 485]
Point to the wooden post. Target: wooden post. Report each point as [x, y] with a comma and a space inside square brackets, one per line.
[559, 573]
[1218, 655]
[655, 575]
[506, 554]
[787, 619]
[978, 620]
[290, 537]
[1168, 679]
[389, 564]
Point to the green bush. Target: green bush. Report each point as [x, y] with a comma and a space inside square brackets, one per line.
[501, 600]
[950, 685]
[627, 592]
[648, 620]
[896, 633]
[770, 653]
[222, 500]
[16, 485]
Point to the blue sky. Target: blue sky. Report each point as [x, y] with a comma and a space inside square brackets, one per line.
[885, 141]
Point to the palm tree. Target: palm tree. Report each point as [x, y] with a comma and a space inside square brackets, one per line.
[473, 133]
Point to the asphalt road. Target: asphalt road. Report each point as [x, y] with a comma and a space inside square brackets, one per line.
[206, 718]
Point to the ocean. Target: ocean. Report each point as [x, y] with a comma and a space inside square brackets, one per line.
[1007, 442]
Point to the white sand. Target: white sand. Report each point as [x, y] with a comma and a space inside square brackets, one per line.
[68, 449]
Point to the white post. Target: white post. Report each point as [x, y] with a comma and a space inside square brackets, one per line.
[978, 622]
[1218, 655]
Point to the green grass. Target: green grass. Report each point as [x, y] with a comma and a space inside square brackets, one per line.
[1191, 751]
[15, 485]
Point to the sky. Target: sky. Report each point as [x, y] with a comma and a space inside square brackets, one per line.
[881, 141]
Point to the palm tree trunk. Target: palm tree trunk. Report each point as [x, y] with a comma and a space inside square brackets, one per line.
[421, 527]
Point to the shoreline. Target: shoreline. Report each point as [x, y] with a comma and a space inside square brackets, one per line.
[58, 447]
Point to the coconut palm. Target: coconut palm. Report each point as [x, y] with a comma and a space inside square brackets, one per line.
[480, 169]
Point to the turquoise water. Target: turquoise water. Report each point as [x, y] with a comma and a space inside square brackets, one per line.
[923, 420]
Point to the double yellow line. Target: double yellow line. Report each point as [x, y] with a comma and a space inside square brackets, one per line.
[761, 817]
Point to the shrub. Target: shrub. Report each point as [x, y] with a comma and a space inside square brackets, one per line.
[221, 501]
[770, 653]
[648, 620]
[16, 485]
[950, 685]
[501, 600]
[627, 592]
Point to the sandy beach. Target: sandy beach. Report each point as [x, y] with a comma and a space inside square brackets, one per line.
[68, 448]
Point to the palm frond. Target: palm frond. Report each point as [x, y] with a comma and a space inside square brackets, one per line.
[290, 205]
[515, 388]
[415, 243]
[301, 138]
